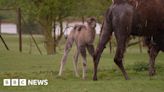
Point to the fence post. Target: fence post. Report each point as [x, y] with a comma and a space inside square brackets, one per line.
[19, 28]
[0, 26]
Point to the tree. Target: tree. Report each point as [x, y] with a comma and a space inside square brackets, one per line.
[46, 13]
[49, 12]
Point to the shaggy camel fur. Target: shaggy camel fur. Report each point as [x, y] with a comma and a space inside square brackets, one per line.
[83, 36]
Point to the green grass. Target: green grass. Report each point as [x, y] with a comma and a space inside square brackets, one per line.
[14, 64]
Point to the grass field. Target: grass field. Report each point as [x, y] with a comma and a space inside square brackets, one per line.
[14, 64]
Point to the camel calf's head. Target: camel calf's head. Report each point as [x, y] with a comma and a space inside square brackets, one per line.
[91, 22]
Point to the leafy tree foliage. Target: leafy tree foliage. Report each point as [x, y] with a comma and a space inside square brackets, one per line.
[49, 12]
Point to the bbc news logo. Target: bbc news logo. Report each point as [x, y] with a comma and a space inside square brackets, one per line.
[24, 82]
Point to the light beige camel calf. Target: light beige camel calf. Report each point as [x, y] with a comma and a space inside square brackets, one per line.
[83, 36]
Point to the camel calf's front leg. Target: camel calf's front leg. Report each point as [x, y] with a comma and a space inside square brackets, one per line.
[83, 54]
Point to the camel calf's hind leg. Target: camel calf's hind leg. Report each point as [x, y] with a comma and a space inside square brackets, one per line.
[66, 51]
[63, 61]
[75, 63]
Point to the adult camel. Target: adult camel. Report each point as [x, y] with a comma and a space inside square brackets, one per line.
[133, 17]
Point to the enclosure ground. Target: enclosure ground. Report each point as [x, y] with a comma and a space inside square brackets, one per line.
[14, 64]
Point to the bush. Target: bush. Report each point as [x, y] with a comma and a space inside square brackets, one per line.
[140, 66]
[143, 66]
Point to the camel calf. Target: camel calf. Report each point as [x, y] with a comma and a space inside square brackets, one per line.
[83, 36]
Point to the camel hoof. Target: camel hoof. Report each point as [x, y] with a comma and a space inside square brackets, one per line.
[152, 72]
[84, 78]
[77, 76]
[59, 75]
[94, 79]
[127, 78]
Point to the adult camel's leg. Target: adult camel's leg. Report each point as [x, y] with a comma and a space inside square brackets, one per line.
[104, 38]
[105, 35]
[153, 52]
[122, 26]
[66, 51]
[75, 62]
[121, 46]
[83, 54]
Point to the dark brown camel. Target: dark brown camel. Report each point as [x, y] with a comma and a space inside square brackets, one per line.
[133, 17]
[83, 37]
